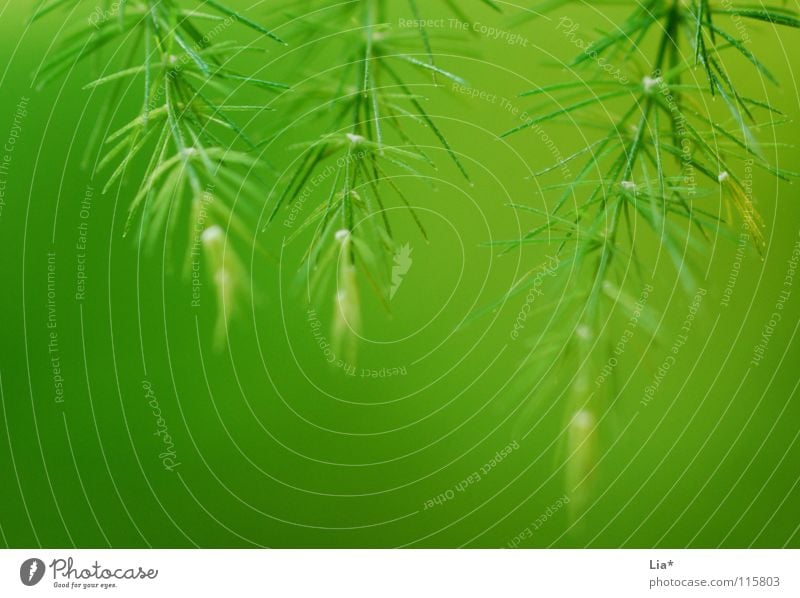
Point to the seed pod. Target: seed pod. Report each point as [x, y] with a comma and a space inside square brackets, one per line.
[581, 455]
[581, 459]
[743, 203]
[347, 305]
[226, 273]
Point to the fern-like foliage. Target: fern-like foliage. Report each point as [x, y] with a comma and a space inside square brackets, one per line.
[374, 110]
[185, 133]
[670, 159]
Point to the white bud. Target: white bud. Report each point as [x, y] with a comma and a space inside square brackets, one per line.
[222, 277]
[583, 420]
[723, 176]
[628, 185]
[648, 83]
[213, 234]
[355, 139]
[342, 235]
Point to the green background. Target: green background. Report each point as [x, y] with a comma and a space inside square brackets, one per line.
[277, 448]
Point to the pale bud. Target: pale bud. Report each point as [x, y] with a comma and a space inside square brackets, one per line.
[649, 83]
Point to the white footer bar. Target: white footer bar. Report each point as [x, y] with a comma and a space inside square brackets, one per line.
[386, 573]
